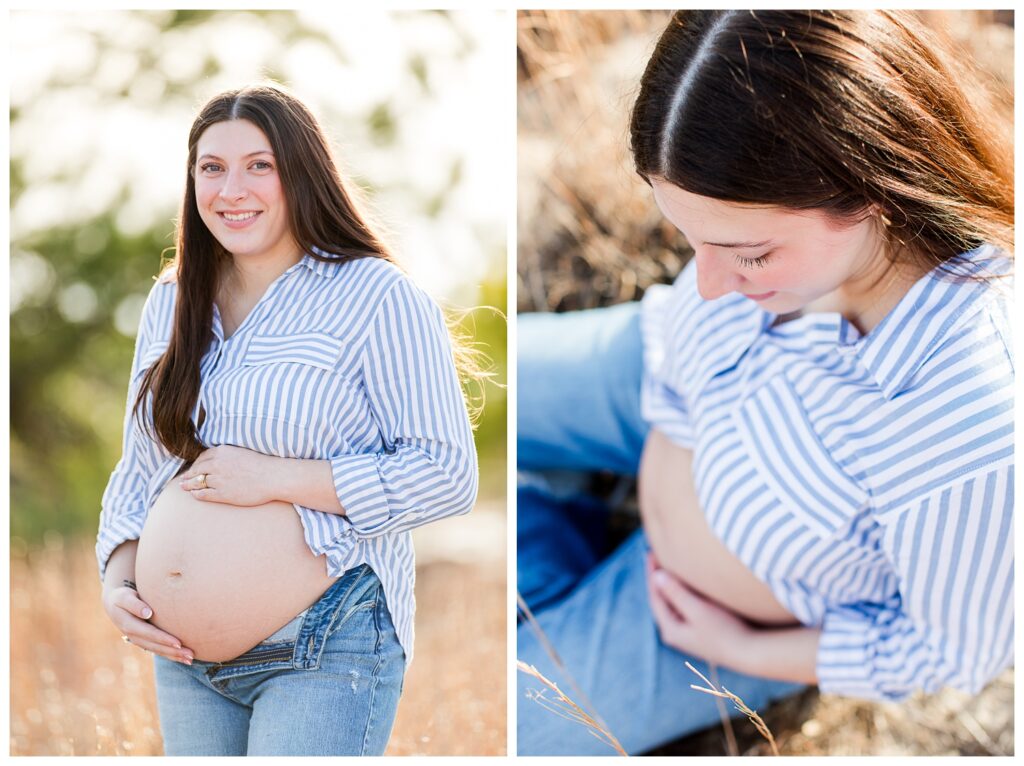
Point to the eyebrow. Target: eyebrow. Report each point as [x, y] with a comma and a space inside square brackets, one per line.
[250, 154]
[739, 244]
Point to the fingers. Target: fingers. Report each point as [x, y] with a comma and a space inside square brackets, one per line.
[203, 494]
[199, 465]
[670, 625]
[134, 623]
[678, 596]
[128, 599]
[196, 482]
[178, 655]
[652, 561]
[149, 637]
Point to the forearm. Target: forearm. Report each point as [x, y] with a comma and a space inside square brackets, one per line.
[782, 654]
[121, 564]
[309, 483]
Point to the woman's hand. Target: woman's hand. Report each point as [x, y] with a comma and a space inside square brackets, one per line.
[130, 614]
[691, 623]
[234, 475]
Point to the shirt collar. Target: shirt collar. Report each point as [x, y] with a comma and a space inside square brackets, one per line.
[897, 348]
[323, 268]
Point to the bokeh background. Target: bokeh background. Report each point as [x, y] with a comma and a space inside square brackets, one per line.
[101, 102]
[589, 235]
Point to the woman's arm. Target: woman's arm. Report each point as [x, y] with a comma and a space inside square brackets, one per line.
[130, 613]
[123, 508]
[242, 476]
[698, 626]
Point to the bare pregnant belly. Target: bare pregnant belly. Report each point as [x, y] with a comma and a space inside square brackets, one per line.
[683, 542]
[221, 578]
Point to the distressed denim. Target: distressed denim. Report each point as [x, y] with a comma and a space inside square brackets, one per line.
[579, 409]
[327, 683]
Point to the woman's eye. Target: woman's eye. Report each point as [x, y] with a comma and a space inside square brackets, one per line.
[209, 166]
[262, 165]
[749, 263]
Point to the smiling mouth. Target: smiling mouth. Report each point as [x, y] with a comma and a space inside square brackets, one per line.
[239, 220]
[760, 297]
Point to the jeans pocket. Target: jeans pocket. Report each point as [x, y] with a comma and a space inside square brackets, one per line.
[357, 618]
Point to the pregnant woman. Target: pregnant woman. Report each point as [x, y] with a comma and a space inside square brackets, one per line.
[819, 411]
[293, 411]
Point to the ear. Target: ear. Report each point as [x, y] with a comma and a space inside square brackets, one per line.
[879, 213]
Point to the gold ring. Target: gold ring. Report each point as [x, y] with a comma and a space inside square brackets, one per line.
[126, 639]
[202, 479]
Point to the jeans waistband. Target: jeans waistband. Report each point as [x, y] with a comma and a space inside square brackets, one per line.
[300, 643]
[289, 631]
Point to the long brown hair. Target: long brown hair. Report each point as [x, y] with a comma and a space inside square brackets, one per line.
[322, 215]
[849, 112]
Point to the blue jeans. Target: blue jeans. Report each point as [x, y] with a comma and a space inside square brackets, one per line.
[327, 683]
[579, 408]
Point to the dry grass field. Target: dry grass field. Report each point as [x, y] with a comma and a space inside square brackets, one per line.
[78, 690]
[590, 235]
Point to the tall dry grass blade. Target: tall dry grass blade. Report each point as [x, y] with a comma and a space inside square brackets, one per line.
[730, 736]
[724, 693]
[568, 709]
[549, 649]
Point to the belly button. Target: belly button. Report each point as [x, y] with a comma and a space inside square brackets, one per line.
[175, 574]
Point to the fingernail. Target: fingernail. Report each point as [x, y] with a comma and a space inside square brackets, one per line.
[660, 578]
[147, 613]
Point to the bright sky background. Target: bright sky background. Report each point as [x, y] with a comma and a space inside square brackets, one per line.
[81, 147]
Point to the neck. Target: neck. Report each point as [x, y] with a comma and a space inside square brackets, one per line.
[252, 275]
[867, 298]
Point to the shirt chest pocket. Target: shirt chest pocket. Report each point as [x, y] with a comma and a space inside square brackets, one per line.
[791, 460]
[292, 392]
[310, 349]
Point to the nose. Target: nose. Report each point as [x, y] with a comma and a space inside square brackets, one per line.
[715, 278]
[234, 186]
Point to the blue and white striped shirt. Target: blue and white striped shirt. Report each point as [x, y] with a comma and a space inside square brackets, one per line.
[348, 362]
[867, 480]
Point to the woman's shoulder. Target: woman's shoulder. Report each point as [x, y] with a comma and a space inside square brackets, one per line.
[687, 337]
[158, 309]
[359, 275]
[967, 313]
[377, 290]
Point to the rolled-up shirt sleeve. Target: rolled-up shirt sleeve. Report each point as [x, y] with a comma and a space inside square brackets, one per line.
[428, 467]
[123, 509]
[952, 622]
[662, 403]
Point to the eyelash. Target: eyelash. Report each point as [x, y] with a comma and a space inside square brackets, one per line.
[749, 263]
[209, 165]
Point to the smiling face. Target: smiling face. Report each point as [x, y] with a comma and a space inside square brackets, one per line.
[239, 193]
[783, 259]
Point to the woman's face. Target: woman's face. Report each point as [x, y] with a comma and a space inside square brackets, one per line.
[782, 259]
[239, 194]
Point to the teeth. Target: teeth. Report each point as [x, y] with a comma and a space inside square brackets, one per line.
[243, 217]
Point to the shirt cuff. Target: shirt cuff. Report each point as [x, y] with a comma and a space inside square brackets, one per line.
[124, 527]
[846, 656]
[360, 490]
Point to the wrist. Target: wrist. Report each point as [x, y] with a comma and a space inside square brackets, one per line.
[282, 472]
[741, 650]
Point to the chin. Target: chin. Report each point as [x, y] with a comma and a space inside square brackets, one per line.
[783, 304]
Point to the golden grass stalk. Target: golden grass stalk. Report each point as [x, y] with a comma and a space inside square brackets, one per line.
[730, 736]
[740, 705]
[563, 706]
